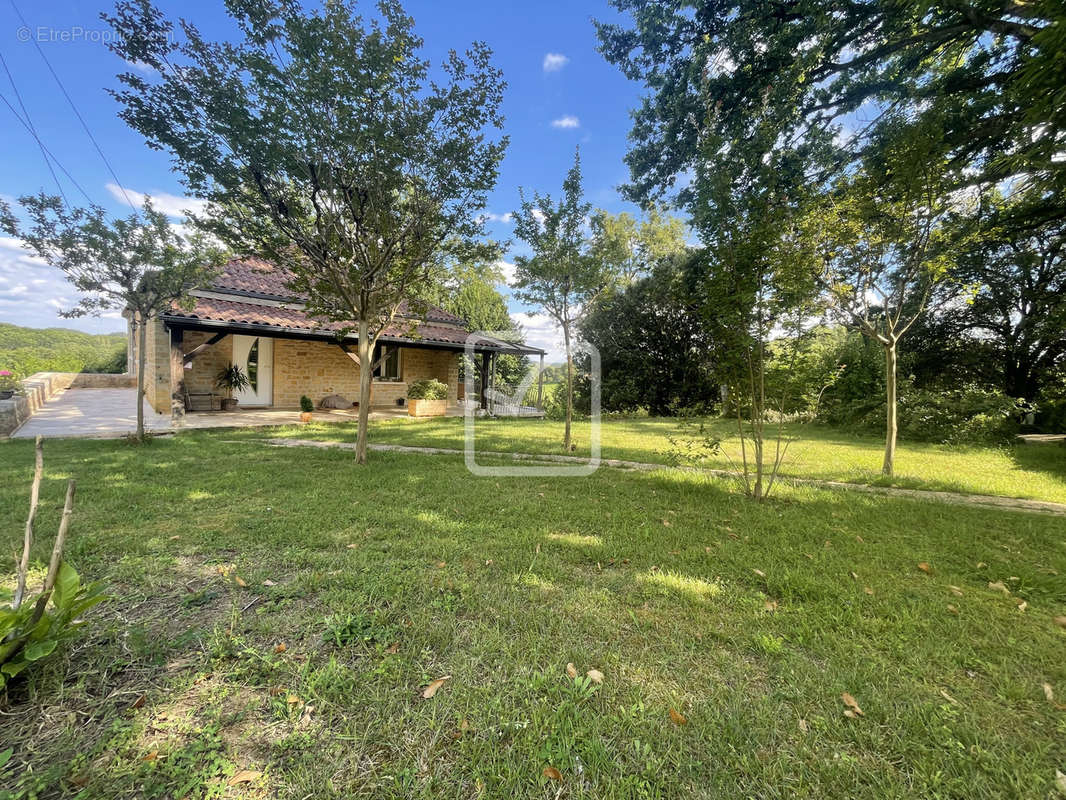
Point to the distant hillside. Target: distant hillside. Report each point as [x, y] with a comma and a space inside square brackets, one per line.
[28, 350]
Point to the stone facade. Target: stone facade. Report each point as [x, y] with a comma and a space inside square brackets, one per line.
[301, 367]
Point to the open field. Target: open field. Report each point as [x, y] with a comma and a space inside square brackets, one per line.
[1034, 471]
[748, 621]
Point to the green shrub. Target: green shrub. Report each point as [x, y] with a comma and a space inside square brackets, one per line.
[306, 405]
[427, 389]
[34, 629]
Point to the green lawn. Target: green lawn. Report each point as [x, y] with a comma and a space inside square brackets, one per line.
[1035, 471]
[386, 578]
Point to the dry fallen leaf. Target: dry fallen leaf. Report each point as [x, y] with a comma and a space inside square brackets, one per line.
[151, 756]
[595, 676]
[237, 579]
[981, 564]
[393, 648]
[1049, 693]
[442, 564]
[953, 609]
[433, 687]
[868, 590]
[1060, 621]
[854, 575]
[269, 582]
[803, 725]
[294, 701]
[666, 523]
[139, 701]
[770, 605]
[172, 538]
[678, 717]
[955, 590]
[759, 572]
[1060, 782]
[552, 774]
[571, 670]
[998, 586]
[852, 705]
[924, 567]
[352, 546]
[1022, 605]
[277, 691]
[280, 647]
[244, 776]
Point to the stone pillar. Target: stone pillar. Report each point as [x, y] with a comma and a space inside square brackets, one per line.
[177, 378]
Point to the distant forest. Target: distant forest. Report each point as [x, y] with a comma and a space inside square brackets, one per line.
[28, 350]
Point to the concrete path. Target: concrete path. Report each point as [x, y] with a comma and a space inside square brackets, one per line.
[111, 413]
[953, 498]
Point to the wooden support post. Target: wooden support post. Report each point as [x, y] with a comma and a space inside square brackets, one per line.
[484, 379]
[177, 378]
[188, 357]
[540, 385]
[492, 382]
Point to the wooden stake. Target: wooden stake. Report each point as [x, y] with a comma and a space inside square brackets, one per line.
[35, 496]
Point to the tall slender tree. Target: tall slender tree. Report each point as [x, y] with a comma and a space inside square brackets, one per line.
[324, 142]
[561, 276]
[140, 265]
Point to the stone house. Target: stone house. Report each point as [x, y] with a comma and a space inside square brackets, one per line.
[249, 317]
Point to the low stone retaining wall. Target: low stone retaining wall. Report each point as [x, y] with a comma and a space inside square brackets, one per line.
[41, 387]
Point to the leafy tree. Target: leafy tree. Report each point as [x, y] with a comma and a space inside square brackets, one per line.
[991, 70]
[880, 237]
[654, 348]
[140, 265]
[324, 143]
[634, 247]
[1016, 293]
[561, 276]
[469, 291]
[28, 350]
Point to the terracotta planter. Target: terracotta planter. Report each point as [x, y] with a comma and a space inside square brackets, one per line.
[427, 408]
[305, 416]
[229, 403]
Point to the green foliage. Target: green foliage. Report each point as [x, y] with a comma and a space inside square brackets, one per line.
[233, 378]
[427, 389]
[655, 351]
[759, 78]
[306, 404]
[34, 629]
[963, 415]
[25, 351]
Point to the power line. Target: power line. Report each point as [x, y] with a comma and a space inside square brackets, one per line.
[47, 153]
[29, 126]
[77, 113]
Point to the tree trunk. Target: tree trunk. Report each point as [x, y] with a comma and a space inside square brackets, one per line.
[890, 408]
[365, 376]
[569, 387]
[142, 355]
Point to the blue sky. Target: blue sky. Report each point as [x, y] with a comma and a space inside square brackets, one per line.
[561, 93]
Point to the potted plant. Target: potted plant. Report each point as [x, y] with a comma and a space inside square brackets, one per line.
[9, 385]
[232, 379]
[427, 398]
[306, 407]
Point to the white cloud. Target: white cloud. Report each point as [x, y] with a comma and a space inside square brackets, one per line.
[507, 269]
[506, 218]
[170, 204]
[32, 293]
[553, 62]
[568, 121]
[541, 331]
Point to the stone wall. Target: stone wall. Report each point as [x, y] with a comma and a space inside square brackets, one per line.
[301, 367]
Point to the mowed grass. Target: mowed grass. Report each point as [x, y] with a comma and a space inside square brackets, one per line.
[388, 577]
[1033, 471]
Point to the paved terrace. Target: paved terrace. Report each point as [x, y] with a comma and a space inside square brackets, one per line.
[109, 413]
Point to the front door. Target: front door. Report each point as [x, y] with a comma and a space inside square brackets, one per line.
[255, 356]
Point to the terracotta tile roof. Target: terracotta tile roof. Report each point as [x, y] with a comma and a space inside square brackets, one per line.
[260, 278]
[217, 311]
